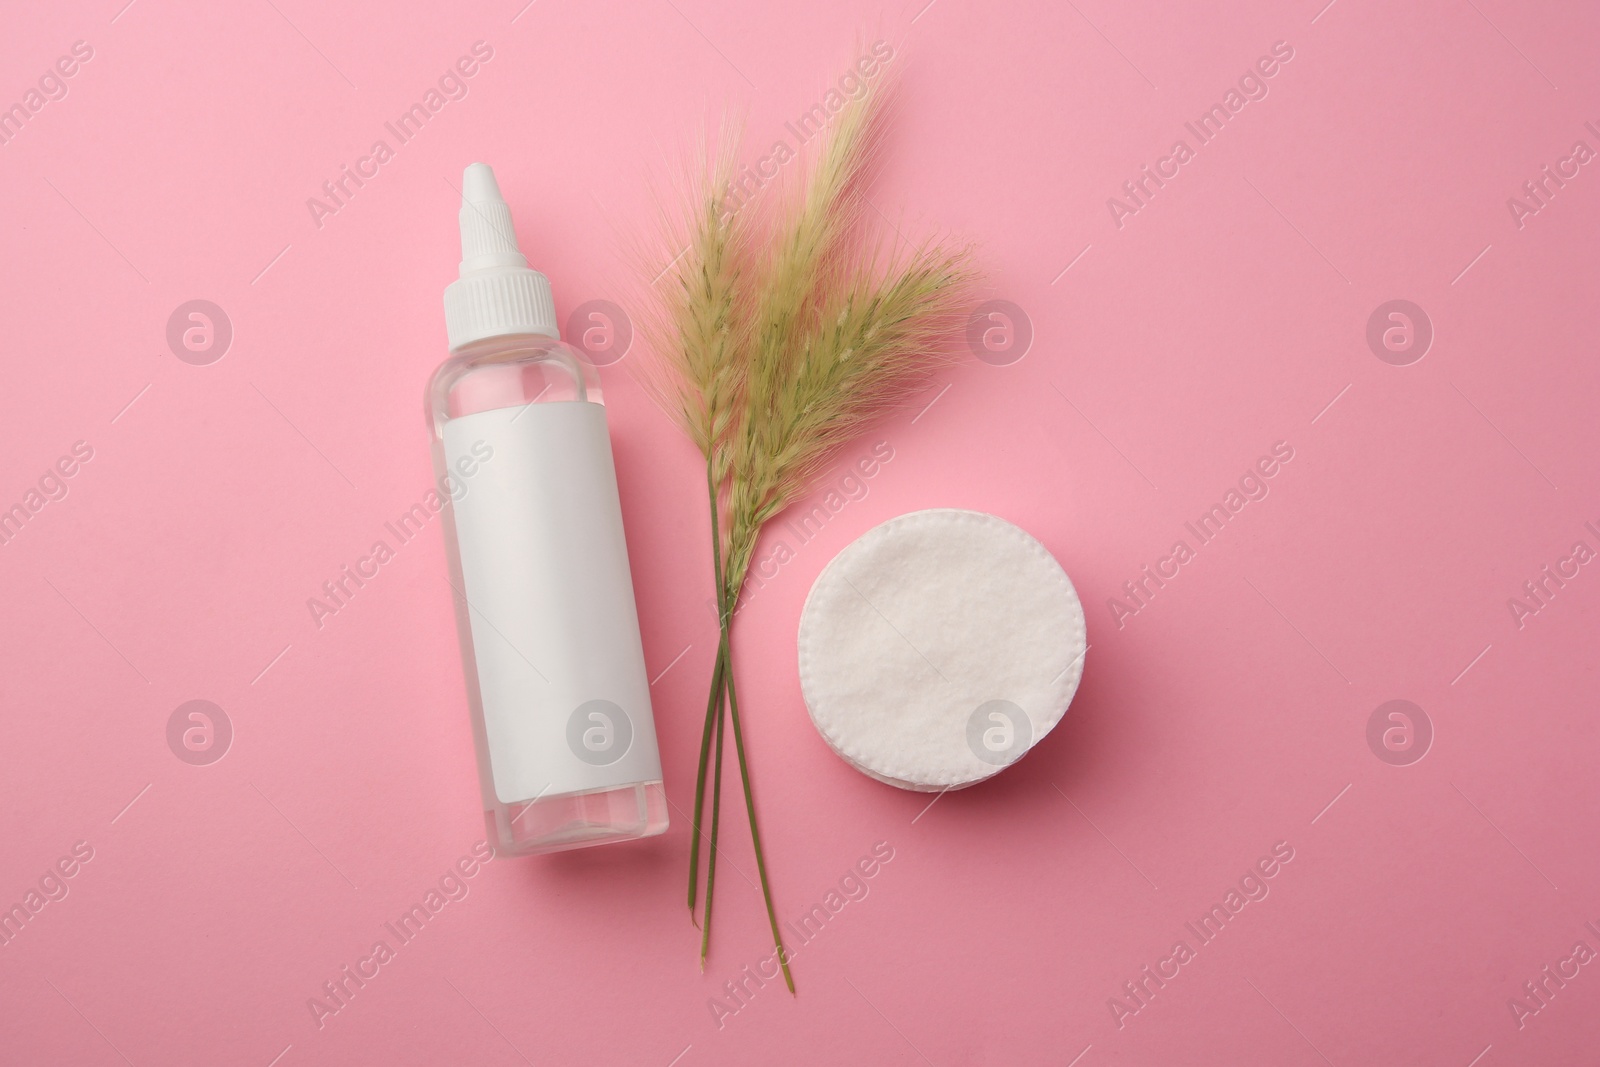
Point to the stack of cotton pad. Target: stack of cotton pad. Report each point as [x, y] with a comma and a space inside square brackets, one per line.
[939, 647]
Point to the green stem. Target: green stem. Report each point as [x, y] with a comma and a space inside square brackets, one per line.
[716, 819]
[726, 598]
[713, 698]
[755, 834]
[713, 701]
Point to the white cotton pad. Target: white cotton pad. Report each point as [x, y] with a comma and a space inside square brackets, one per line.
[939, 647]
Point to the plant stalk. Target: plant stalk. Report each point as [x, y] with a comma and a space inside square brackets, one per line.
[755, 834]
[713, 701]
[716, 819]
[713, 698]
[727, 597]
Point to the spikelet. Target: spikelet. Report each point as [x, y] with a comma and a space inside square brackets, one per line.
[694, 320]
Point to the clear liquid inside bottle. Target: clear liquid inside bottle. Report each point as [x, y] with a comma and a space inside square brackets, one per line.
[514, 371]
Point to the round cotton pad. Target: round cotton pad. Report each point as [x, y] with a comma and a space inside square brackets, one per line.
[939, 647]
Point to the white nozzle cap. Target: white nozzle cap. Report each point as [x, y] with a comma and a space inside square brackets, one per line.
[497, 293]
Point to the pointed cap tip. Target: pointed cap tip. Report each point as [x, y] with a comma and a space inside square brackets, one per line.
[478, 184]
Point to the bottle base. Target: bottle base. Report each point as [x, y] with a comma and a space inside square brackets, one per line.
[578, 820]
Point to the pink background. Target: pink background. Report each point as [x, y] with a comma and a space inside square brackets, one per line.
[1228, 715]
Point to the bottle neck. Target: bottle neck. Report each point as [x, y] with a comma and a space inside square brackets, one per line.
[504, 342]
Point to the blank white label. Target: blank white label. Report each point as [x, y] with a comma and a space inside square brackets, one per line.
[566, 700]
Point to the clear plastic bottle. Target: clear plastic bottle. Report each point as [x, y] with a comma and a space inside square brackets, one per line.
[556, 683]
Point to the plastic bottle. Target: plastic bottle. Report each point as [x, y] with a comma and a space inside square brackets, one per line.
[556, 683]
